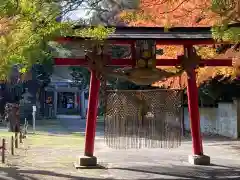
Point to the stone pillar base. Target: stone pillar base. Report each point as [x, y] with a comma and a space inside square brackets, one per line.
[87, 162]
[199, 159]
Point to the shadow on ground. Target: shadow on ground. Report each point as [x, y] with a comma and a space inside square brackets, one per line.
[170, 173]
[16, 174]
[185, 172]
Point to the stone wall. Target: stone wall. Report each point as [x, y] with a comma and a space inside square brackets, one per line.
[222, 120]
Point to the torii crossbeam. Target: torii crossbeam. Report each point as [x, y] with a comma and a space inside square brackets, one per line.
[185, 36]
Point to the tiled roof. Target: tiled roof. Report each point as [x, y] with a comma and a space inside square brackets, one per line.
[177, 33]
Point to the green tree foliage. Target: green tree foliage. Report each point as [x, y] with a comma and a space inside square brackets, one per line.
[30, 25]
[229, 13]
[26, 27]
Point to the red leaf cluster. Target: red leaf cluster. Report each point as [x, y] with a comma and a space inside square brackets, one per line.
[177, 13]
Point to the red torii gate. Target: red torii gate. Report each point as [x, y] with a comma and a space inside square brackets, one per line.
[185, 36]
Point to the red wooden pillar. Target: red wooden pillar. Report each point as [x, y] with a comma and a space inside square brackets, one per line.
[194, 116]
[193, 107]
[92, 114]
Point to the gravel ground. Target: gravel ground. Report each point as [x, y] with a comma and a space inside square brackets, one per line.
[49, 155]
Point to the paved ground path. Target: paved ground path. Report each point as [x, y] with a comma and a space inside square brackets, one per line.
[47, 162]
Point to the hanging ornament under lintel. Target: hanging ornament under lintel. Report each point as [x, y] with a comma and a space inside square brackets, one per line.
[146, 53]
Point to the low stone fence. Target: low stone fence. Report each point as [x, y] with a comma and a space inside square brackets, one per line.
[224, 120]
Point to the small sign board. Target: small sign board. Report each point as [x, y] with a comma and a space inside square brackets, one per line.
[34, 108]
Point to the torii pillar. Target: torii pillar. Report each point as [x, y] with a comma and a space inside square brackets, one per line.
[197, 158]
[89, 160]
